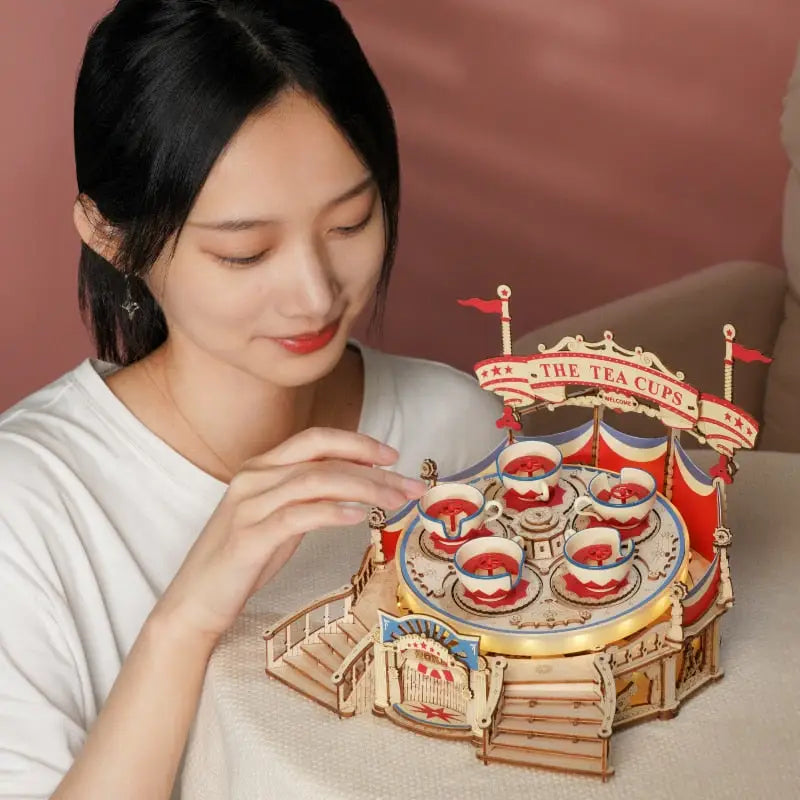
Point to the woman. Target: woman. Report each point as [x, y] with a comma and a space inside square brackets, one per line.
[238, 177]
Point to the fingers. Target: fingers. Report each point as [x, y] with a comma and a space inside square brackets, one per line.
[321, 443]
[285, 526]
[251, 482]
[329, 481]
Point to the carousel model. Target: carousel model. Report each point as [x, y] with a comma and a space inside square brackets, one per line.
[564, 586]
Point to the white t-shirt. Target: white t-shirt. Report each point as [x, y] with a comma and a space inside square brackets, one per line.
[97, 514]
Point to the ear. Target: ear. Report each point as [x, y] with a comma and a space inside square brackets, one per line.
[95, 231]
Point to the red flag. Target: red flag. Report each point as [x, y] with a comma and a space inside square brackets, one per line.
[487, 306]
[748, 355]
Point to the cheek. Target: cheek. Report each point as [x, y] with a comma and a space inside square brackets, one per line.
[357, 263]
[208, 302]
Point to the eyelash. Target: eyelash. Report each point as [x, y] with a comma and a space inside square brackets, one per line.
[249, 260]
[243, 262]
[347, 231]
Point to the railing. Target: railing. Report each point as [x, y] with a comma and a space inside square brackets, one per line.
[286, 635]
[350, 679]
[641, 649]
[494, 693]
[608, 692]
[494, 697]
[365, 572]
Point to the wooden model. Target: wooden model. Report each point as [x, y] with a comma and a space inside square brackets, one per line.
[564, 586]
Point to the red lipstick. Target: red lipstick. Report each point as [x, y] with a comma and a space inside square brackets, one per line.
[309, 342]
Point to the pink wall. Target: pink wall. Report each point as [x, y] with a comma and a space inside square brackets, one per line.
[577, 150]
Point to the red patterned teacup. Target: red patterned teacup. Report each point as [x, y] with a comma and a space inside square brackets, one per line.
[490, 567]
[597, 558]
[530, 468]
[455, 510]
[625, 500]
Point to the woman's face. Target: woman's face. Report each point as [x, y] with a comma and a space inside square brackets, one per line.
[280, 253]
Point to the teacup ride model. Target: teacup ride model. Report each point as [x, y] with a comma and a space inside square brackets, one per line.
[562, 587]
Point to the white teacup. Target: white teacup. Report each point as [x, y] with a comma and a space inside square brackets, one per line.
[491, 566]
[450, 522]
[625, 500]
[540, 482]
[615, 558]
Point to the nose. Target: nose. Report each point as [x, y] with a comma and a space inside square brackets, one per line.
[311, 285]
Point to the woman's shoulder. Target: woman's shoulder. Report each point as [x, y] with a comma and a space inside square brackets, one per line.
[43, 432]
[440, 407]
[421, 380]
[51, 401]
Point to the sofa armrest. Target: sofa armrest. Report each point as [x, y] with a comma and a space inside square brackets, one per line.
[681, 322]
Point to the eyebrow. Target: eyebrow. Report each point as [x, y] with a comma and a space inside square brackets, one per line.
[247, 224]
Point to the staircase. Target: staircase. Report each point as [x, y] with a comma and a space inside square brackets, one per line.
[550, 725]
[309, 668]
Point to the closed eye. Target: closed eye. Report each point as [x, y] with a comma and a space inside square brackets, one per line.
[244, 260]
[349, 230]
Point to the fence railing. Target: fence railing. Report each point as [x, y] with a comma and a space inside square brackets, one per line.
[352, 678]
[285, 636]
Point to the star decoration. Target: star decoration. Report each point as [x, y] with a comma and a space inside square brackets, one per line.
[434, 713]
[130, 307]
[739, 422]
[484, 373]
[728, 417]
[495, 370]
[508, 370]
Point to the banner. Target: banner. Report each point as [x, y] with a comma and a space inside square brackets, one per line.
[725, 426]
[523, 380]
[419, 627]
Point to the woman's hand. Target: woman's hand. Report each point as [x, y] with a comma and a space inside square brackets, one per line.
[270, 504]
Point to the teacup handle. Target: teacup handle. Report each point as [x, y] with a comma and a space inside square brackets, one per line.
[544, 491]
[626, 548]
[518, 540]
[583, 505]
[494, 509]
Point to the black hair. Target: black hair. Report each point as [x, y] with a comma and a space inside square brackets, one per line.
[163, 87]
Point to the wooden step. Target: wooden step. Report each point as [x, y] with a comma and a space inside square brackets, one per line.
[359, 615]
[561, 763]
[338, 642]
[553, 691]
[323, 655]
[545, 727]
[354, 631]
[311, 668]
[558, 669]
[548, 744]
[553, 710]
[305, 686]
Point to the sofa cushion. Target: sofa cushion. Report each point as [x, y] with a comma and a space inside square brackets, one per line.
[781, 422]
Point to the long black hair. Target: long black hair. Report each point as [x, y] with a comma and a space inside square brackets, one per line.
[163, 87]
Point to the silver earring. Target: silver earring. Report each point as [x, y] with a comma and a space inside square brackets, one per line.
[129, 306]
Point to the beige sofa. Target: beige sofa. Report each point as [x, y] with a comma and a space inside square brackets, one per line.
[682, 323]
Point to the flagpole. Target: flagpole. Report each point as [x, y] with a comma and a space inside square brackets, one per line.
[729, 332]
[504, 293]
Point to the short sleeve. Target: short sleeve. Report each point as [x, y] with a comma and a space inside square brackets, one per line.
[444, 415]
[472, 431]
[42, 708]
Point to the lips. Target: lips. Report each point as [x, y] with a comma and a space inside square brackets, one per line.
[309, 342]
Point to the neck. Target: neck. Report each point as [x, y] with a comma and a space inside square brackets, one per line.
[234, 416]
